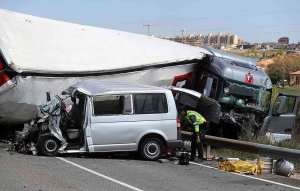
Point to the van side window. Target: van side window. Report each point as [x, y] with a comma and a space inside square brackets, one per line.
[112, 105]
[150, 103]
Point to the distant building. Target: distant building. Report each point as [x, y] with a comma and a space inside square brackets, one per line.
[295, 79]
[217, 40]
[269, 45]
[245, 46]
[283, 40]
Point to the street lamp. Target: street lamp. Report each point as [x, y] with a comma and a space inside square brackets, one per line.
[148, 28]
[182, 31]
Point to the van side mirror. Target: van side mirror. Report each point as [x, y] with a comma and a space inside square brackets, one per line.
[208, 85]
[48, 96]
[280, 108]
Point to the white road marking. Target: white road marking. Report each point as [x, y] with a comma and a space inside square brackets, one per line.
[98, 174]
[251, 177]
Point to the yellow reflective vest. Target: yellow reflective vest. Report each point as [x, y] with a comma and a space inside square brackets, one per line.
[199, 119]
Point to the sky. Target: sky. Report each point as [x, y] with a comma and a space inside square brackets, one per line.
[252, 20]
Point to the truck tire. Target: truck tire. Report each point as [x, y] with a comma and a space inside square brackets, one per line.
[151, 149]
[48, 145]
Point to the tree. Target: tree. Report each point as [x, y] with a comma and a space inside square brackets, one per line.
[283, 66]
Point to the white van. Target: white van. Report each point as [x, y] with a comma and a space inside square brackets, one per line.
[112, 117]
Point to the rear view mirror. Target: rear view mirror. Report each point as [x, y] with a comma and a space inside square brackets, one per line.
[208, 85]
[48, 96]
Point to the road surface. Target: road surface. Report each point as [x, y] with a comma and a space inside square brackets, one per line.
[98, 172]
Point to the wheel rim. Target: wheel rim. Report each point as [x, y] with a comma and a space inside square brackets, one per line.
[152, 149]
[51, 145]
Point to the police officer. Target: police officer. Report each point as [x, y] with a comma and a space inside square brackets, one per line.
[198, 124]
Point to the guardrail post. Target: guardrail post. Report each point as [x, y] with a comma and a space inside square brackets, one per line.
[208, 154]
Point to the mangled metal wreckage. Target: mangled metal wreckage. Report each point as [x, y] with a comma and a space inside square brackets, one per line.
[44, 125]
[40, 55]
[101, 116]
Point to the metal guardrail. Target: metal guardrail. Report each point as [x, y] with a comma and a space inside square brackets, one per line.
[261, 149]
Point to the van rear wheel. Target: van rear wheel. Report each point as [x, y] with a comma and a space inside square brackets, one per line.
[48, 145]
[151, 149]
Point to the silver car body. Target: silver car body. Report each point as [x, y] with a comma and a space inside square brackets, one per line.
[108, 133]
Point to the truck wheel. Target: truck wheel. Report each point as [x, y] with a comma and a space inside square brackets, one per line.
[151, 149]
[48, 145]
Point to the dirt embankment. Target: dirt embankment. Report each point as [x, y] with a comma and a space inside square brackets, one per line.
[265, 62]
[292, 58]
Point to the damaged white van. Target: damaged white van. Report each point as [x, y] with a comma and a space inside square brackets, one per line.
[102, 116]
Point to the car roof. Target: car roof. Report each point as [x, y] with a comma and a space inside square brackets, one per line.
[98, 87]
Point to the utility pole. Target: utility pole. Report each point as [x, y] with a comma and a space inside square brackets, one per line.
[148, 28]
[182, 30]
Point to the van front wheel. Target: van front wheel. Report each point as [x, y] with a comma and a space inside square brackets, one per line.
[151, 149]
[48, 145]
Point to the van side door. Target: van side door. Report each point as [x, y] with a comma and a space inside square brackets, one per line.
[110, 120]
[283, 114]
[206, 106]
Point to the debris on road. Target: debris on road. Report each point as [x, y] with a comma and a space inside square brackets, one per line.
[240, 167]
[233, 159]
[184, 158]
[266, 164]
[162, 160]
[5, 141]
[23, 141]
[283, 167]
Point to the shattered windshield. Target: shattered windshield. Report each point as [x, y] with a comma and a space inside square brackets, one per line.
[245, 96]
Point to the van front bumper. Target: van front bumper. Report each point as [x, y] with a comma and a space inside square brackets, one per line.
[174, 144]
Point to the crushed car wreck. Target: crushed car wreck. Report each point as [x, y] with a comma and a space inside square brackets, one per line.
[43, 130]
[101, 116]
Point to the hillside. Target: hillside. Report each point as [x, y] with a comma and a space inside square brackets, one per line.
[291, 58]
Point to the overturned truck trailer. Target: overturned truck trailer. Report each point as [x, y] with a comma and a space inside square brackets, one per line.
[41, 55]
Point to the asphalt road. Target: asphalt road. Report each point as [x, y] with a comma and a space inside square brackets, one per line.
[26, 172]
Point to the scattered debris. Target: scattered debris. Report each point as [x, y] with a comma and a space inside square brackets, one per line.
[172, 158]
[23, 142]
[162, 160]
[283, 167]
[5, 141]
[240, 167]
[233, 159]
[266, 164]
[184, 158]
